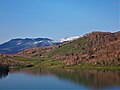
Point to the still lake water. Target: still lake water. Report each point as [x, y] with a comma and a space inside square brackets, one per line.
[60, 79]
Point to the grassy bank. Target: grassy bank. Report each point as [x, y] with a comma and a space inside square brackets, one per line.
[90, 66]
[47, 63]
[44, 62]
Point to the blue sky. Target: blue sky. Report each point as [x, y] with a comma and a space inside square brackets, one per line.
[56, 18]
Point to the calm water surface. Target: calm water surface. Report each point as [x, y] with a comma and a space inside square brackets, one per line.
[62, 79]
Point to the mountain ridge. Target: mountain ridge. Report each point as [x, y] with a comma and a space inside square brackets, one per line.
[97, 48]
[16, 45]
[92, 50]
[19, 44]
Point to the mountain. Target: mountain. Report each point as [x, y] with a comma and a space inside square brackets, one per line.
[101, 48]
[96, 48]
[17, 45]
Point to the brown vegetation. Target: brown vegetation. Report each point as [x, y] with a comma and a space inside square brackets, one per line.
[8, 60]
[98, 48]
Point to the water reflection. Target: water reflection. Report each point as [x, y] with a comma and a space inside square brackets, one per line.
[94, 79]
[3, 74]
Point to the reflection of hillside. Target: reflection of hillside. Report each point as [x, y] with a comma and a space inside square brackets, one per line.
[92, 78]
[95, 79]
[32, 71]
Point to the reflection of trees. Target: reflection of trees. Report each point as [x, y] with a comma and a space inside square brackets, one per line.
[3, 71]
[3, 74]
[95, 79]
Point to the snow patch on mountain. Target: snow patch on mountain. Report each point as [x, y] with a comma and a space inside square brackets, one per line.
[18, 43]
[37, 42]
[69, 39]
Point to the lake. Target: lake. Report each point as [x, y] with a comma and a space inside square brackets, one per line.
[59, 79]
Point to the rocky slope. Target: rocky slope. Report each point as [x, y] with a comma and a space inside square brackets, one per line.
[12, 62]
[97, 48]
